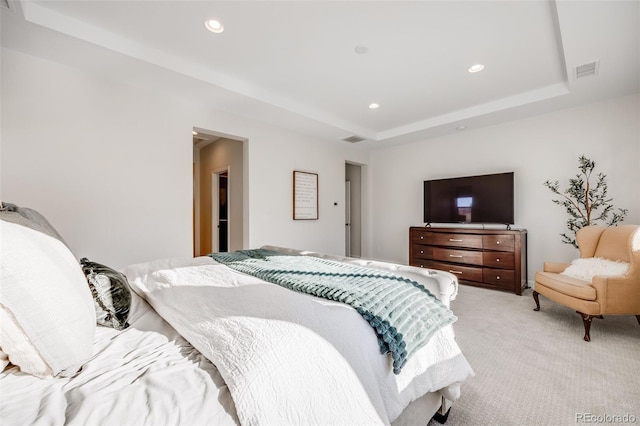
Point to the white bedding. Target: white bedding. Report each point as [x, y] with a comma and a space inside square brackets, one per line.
[252, 333]
[149, 374]
[145, 375]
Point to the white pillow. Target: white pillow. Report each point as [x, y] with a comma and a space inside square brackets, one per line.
[588, 267]
[46, 295]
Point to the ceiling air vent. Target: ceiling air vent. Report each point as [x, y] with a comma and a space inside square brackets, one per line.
[588, 69]
[353, 139]
[5, 4]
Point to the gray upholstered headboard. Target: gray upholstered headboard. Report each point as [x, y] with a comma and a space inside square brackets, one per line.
[28, 217]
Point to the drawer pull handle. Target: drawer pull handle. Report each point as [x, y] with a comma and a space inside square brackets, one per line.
[498, 260]
[421, 237]
[498, 277]
[497, 242]
[454, 240]
[455, 272]
[455, 255]
[422, 252]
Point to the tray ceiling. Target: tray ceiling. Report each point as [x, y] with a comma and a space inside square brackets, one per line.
[316, 66]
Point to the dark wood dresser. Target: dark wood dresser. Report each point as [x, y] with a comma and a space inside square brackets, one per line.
[490, 258]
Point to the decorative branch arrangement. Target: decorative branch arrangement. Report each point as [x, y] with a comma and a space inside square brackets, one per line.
[581, 201]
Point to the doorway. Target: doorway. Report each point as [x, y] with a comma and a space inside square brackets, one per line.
[219, 222]
[353, 210]
[220, 226]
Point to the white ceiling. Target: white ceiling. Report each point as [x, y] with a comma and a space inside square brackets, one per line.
[294, 62]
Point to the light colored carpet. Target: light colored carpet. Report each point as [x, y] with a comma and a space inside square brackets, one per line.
[533, 368]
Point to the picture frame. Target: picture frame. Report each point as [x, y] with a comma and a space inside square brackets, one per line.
[305, 195]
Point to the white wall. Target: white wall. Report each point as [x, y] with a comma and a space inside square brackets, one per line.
[536, 149]
[274, 225]
[110, 165]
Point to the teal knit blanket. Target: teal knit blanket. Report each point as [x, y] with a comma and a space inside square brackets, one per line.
[403, 314]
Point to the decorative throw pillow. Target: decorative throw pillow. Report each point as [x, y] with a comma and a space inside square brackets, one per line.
[111, 294]
[588, 267]
[47, 302]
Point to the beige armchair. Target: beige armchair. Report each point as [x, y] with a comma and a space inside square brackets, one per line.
[603, 295]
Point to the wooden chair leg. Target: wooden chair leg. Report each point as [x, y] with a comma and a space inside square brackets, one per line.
[586, 320]
[537, 308]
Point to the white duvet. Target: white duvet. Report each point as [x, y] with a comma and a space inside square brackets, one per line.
[289, 358]
[145, 375]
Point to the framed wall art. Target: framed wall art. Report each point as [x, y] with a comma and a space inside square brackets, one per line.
[305, 195]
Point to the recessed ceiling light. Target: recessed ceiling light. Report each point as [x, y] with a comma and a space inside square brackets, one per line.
[195, 133]
[476, 68]
[214, 26]
[374, 106]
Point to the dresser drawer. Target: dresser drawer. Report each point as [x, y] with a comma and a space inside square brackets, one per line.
[498, 277]
[419, 236]
[464, 273]
[458, 240]
[423, 263]
[422, 252]
[498, 242]
[469, 257]
[498, 259]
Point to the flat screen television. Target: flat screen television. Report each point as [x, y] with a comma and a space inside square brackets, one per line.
[487, 199]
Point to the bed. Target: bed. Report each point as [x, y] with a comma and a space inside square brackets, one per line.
[206, 344]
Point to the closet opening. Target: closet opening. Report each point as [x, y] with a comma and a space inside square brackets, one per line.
[353, 210]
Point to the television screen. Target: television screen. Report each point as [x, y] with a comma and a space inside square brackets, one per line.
[470, 199]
